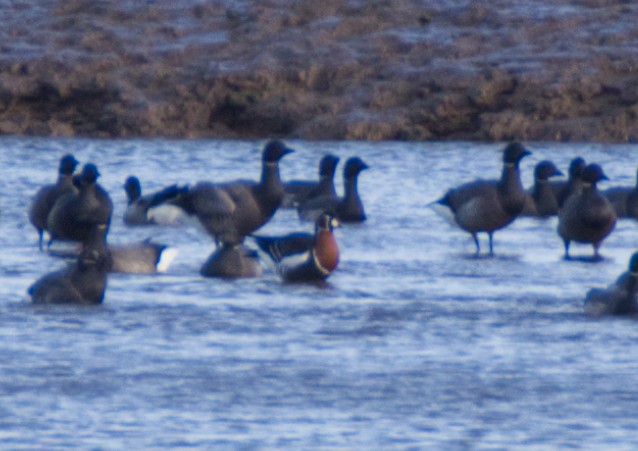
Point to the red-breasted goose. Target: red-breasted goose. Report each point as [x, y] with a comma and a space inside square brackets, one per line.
[304, 257]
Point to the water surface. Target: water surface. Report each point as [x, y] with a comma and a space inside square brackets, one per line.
[413, 343]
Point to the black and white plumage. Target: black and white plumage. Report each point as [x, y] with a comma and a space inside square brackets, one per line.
[587, 217]
[488, 205]
[230, 211]
[143, 209]
[618, 298]
[46, 197]
[304, 257]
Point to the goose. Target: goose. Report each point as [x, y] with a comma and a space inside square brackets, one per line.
[230, 261]
[230, 211]
[142, 209]
[75, 214]
[618, 298]
[624, 200]
[347, 209]
[541, 200]
[83, 282]
[587, 217]
[488, 205]
[47, 195]
[574, 183]
[304, 257]
[298, 191]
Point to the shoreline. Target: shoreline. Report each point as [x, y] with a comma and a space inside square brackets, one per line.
[343, 70]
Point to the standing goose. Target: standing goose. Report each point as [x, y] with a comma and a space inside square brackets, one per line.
[587, 217]
[83, 282]
[139, 209]
[624, 200]
[46, 196]
[298, 191]
[541, 200]
[75, 214]
[303, 257]
[618, 298]
[574, 183]
[488, 205]
[230, 211]
[349, 208]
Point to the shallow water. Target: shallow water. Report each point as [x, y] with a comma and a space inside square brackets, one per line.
[412, 344]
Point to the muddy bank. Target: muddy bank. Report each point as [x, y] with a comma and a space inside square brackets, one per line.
[336, 69]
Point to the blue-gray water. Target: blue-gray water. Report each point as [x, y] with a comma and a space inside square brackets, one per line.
[413, 343]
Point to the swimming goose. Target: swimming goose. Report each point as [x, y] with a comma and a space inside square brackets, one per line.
[574, 183]
[541, 200]
[488, 205]
[303, 257]
[349, 208]
[75, 214]
[46, 196]
[618, 298]
[231, 261]
[145, 257]
[83, 282]
[230, 211]
[587, 217]
[624, 200]
[298, 191]
[140, 209]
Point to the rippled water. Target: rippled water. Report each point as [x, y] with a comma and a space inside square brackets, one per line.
[413, 343]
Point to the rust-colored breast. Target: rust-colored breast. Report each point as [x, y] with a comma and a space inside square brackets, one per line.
[327, 251]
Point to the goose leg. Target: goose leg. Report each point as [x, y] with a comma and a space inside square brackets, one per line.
[476, 242]
[491, 235]
[567, 257]
[597, 256]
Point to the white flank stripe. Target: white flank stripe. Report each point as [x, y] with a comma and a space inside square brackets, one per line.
[292, 261]
[443, 211]
[168, 215]
[166, 258]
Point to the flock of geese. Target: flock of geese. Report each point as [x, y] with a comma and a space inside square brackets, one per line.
[78, 209]
[585, 215]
